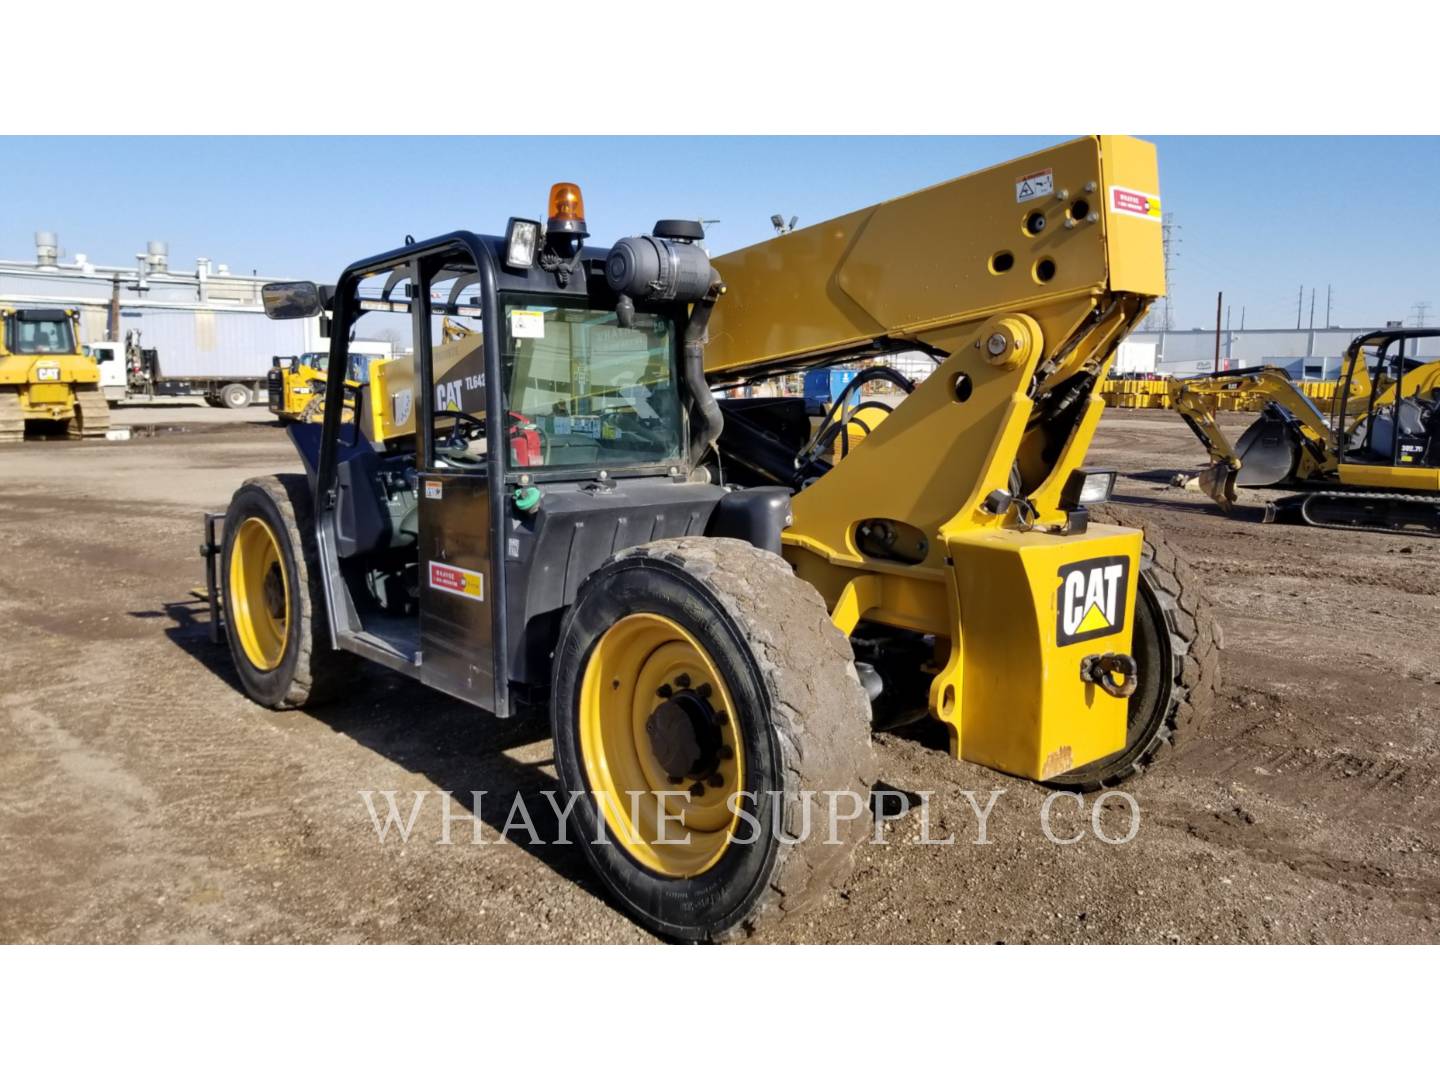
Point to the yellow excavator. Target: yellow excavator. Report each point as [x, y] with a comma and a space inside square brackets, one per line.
[1372, 463]
[45, 378]
[712, 605]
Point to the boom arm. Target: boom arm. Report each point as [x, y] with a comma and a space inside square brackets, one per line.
[1025, 295]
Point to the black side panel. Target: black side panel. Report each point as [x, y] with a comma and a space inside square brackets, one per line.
[575, 529]
[756, 515]
[308, 437]
[360, 524]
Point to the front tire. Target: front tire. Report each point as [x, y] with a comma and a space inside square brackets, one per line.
[698, 668]
[1176, 645]
[273, 599]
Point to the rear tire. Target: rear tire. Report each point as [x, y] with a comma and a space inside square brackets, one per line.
[801, 721]
[235, 396]
[1176, 645]
[283, 655]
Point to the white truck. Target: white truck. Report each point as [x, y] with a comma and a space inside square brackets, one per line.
[222, 357]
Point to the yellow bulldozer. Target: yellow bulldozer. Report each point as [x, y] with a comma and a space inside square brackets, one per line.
[46, 381]
[1371, 462]
[714, 606]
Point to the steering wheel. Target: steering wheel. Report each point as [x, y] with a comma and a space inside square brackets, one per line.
[455, 446]
[457, 441]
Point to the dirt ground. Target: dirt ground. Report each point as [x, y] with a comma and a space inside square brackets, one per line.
[143, 798]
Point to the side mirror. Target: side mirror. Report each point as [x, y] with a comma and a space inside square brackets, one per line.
[291, 299]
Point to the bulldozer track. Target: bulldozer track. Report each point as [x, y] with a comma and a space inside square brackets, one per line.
[92, 414]
[12, 420]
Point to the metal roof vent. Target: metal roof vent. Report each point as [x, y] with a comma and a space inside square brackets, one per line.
[47, 250]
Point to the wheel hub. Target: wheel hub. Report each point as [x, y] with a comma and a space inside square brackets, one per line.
[685, 736]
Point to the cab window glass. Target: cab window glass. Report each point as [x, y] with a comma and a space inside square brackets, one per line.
[40, 336]
[584, 390]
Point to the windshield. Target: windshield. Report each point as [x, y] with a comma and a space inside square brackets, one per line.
[597, 393]
[41, 336]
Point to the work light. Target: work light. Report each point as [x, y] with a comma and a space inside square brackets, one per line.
[1087, 487]
[522, 237]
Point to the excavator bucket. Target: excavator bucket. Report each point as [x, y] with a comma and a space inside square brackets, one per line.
[1218, 481]
[1269, 451]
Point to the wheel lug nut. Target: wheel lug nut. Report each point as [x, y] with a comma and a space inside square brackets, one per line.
[726, 753]
[664, 690]
[703, 690]
[721, 719]
[672, 780]
[714, 780]
[697, 788]
[683, 681]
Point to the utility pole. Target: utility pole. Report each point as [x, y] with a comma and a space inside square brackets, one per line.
[112, 318]
[1420, 309]
[1299, 307]
[1312, 307]
[1328, 298]
[1219, 297]
[1242, 316]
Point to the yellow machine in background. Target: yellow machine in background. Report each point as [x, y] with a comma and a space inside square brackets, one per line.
[296, 385]
[45, 378]
[1372, 462]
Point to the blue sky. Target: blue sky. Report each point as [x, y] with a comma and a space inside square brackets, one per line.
[1258, 216]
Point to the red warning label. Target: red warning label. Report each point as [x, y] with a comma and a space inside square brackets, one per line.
[1135, 203]
[456, 579]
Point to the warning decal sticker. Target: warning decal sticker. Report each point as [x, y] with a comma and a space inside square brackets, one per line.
[1135, 203]
[434, 489]
[1091, 600]
[456, 579]
[1035, 186]
[527, 324]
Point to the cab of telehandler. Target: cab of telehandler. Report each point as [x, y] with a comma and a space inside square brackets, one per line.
[452, 552]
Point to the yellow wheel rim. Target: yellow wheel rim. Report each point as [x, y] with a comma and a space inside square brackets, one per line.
[657, 719]
[259, 594]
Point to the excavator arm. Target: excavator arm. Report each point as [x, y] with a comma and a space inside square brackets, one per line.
[1308, 432]
[958, 516]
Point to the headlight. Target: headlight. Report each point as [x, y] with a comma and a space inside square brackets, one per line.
[1087, 487]
[522, 237]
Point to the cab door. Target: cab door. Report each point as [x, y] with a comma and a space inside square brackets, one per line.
[461, 609]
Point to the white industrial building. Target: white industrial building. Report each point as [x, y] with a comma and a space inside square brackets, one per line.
[202, 321]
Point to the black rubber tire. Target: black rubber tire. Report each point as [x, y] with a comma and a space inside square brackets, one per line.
[1176, 644]
[235, 396]
[806, 728]
[311, 670]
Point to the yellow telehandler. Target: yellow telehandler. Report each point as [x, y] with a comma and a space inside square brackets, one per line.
[1372, 463]
[713, 611]
[45, 379]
